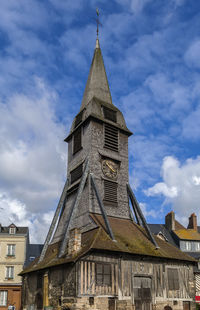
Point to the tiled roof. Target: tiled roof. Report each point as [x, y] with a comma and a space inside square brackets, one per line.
[187, 234]
[130, 239]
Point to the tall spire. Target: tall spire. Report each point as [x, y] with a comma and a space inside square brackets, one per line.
[97, 83]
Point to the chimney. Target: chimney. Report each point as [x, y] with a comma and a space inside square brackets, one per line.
[192, 222]
[74, 244]
[170, 221]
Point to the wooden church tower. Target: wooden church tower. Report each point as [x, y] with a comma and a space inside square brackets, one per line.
[99, 253]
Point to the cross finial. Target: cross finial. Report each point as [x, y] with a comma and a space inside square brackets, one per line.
[98, 22]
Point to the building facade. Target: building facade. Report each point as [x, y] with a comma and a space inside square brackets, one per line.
[186, 239]
[13, 244]
[98, 254]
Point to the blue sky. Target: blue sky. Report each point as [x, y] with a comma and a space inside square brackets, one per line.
[151, 52]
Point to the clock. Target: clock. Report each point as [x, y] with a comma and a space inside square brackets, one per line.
[110, 169]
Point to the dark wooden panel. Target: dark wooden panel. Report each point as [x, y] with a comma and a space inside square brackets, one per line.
[77, 141]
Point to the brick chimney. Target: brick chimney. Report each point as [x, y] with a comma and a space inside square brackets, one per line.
[192, 222]
[74, 244]
[170, 221]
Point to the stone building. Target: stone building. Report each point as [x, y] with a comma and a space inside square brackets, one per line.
[99, 253]
[13, 245]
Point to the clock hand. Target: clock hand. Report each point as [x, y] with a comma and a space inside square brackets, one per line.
[111, 168]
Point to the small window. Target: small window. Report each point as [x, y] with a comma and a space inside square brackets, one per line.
[173, 280]
[188, 245]
[76, 173]
[198, 246]
[31, 258]
[77, 141]
[12, 230]
[11, 250]
[111, 137]
[3, 298]
[110, 192]
[110, 114]
[10, 272]
[103, 274]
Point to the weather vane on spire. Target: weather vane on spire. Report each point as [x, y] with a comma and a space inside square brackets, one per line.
[98, 22]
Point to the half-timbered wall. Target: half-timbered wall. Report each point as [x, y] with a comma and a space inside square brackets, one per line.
[124, 273]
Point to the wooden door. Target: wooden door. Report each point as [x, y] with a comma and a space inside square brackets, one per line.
[17, 299]
[142, 293]
[186, 305]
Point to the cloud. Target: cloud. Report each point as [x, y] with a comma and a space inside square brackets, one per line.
[33, 155]
[180, 186]
[192, 54]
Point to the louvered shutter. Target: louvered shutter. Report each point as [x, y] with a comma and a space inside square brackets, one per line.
[111, 137]
[110, 191]
[77, 141]
[76, 173]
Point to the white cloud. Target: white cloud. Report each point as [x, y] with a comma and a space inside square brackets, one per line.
[33, 157]
[192, 54]
[180, 186]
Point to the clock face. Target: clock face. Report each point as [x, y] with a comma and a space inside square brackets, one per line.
[110, 169]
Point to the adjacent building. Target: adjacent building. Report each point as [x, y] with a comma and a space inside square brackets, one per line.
[97, 254]
[186, 239]
[13, 244]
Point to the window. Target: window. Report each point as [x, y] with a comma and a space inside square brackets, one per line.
[11, 250]
[3, 298]
[173, 280]
[76, 173]
[12, 230]
[188, 246]
[111, 137]
[77, 141]
[10, 272]
[103, 274]
[198, 246]
[31, 258]
[110, 114]
[110, 192]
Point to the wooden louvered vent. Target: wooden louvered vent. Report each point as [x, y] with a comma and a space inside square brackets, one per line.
[110, 192]
[110, 114]
[76, 173]
[111, 137]
[77, 141]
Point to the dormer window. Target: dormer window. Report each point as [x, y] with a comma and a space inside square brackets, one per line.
[12, 230]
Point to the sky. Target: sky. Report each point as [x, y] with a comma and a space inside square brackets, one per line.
[151, 51]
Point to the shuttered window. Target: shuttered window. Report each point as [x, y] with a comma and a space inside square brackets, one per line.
[173, 280]
[76, 173]
[111, 137]
[110, 192]
[3, 298]
[103, 274]
[10, 272]
[110, 114]
[77, 141]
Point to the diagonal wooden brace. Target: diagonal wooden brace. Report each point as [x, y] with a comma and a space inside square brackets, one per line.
[135, 205]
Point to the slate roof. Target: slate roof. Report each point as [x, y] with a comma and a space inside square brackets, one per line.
[33, 250]
[19, 230]
[130, 238]
[156, 228]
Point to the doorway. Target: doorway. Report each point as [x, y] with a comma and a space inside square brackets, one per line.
[142, 286]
